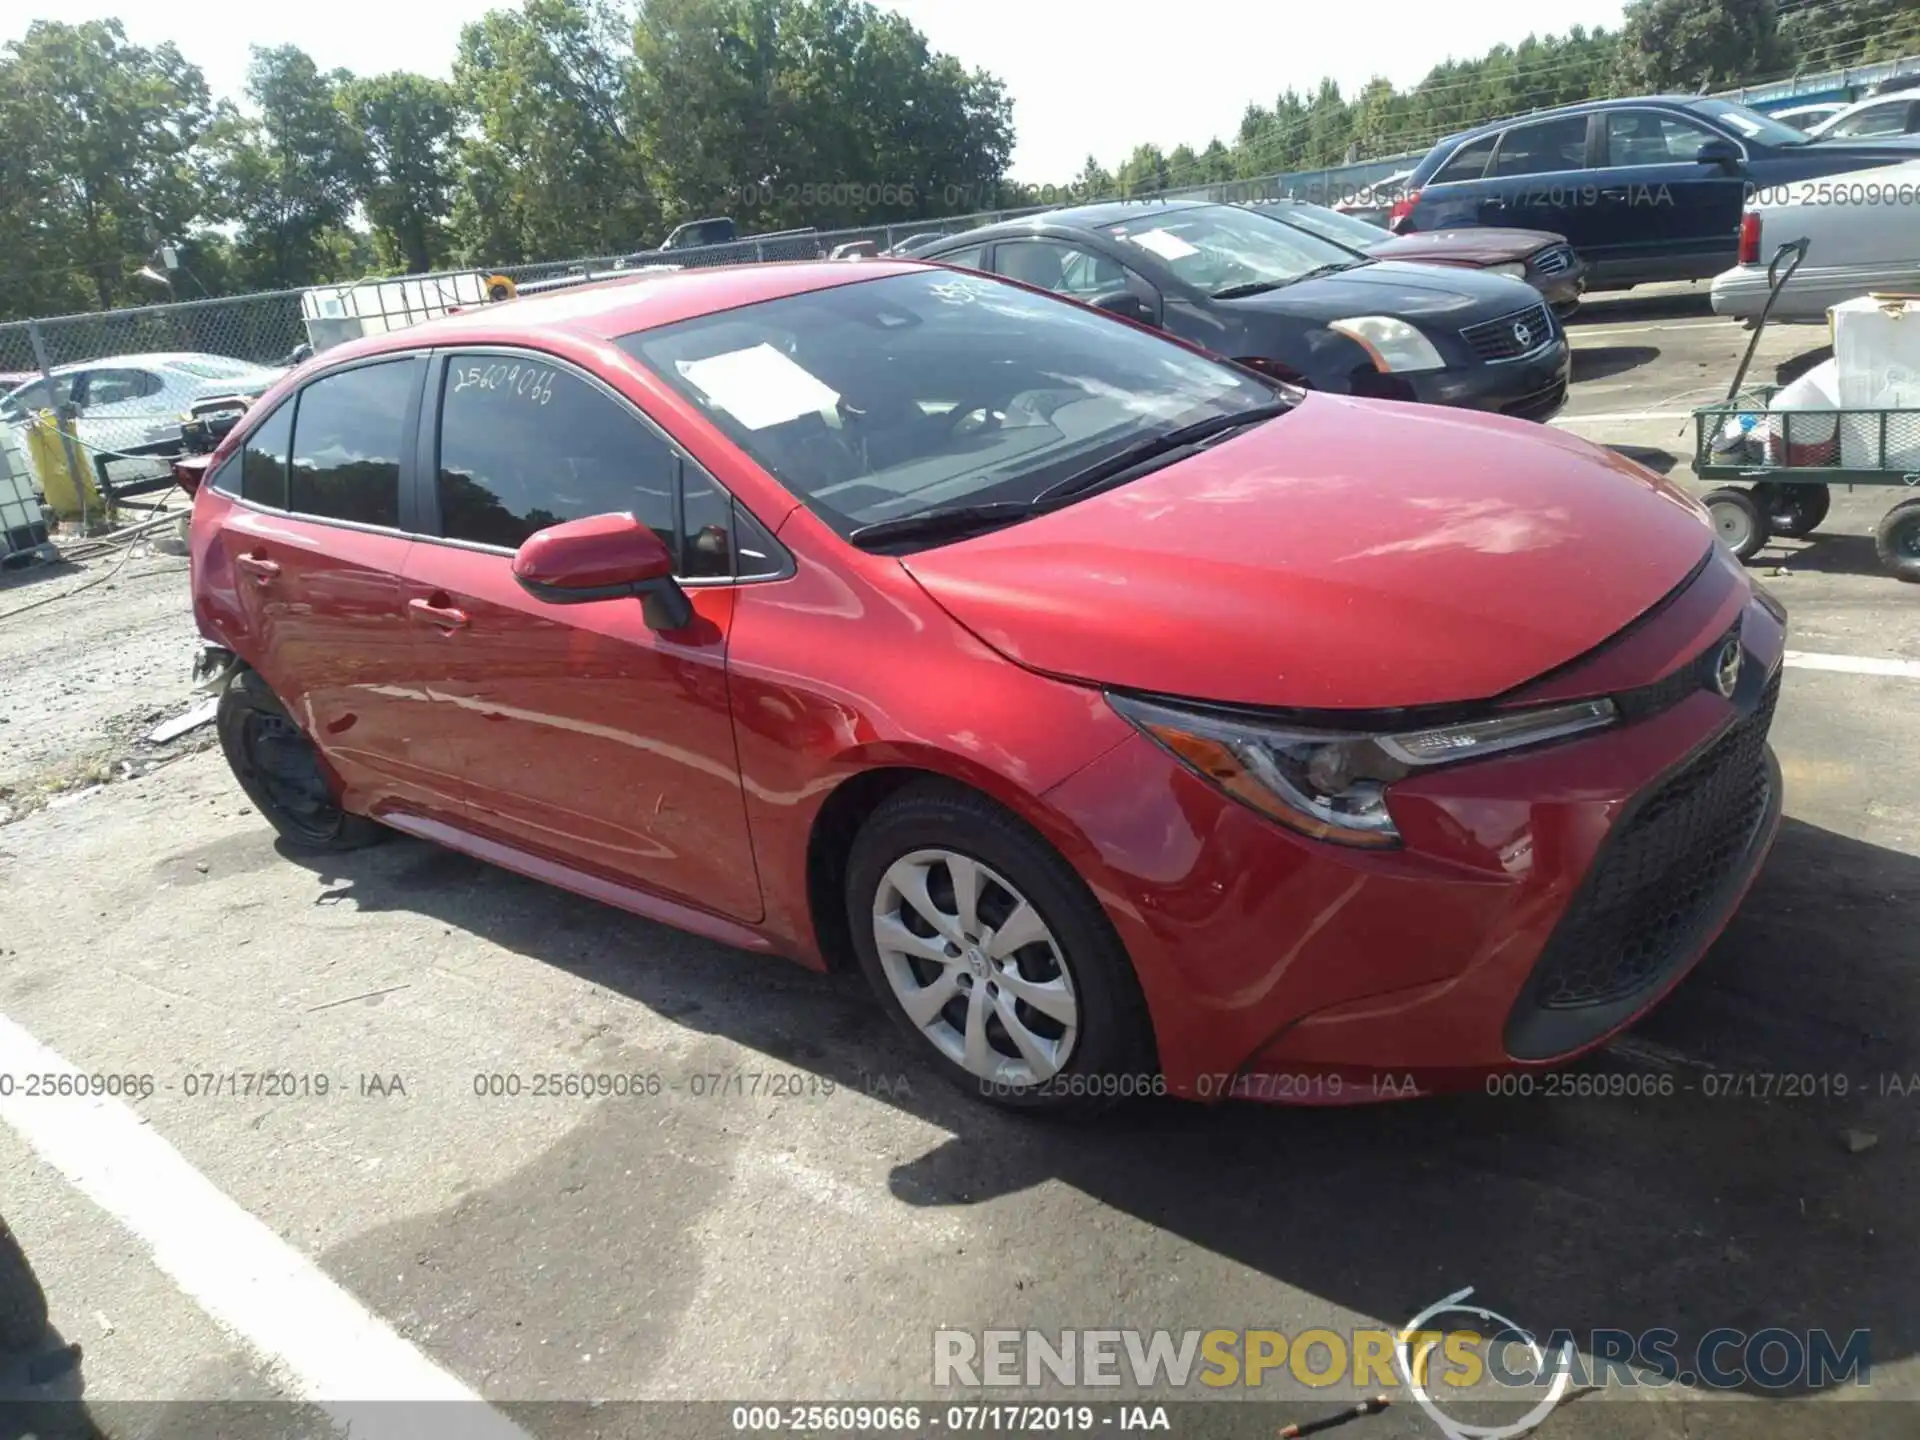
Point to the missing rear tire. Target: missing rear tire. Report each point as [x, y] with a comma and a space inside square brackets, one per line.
[281, 771]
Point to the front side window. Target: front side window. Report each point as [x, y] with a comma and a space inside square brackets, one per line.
[1067, 269]
[881, 399]
[1543, 149]
[525, 444]
[1647, 137]
[116, 387]
[974, 257]
[349, 432]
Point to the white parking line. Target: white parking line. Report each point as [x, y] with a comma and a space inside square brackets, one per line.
[1582, 332]
[324, 1345]
[1854, 664]
[1621, 415]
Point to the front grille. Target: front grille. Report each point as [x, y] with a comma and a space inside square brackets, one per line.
[1541, 404]
[1510, 336]
[1555, 261]
[1662, 874]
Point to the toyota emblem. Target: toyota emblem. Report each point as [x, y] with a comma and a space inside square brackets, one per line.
[1726, 668]
[1522, 335]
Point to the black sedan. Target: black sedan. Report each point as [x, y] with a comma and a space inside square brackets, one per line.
[1290, 303]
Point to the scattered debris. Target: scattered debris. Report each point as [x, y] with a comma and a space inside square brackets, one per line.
[201, 714]
[100, 1319]
[1857, 1141]
[1314, 1427]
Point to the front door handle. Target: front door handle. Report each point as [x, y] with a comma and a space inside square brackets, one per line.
[445, 616]
[262, 569]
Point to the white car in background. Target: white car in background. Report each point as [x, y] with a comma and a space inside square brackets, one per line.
[1805, 117]
[128, 402]
[1862, 240]
[1880, 117]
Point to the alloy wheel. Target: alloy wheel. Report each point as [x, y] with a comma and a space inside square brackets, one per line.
[975, 966]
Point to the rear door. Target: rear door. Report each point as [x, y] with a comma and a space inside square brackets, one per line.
[1669, 216]
[1538, 179]
[575, 731]
[316, 546]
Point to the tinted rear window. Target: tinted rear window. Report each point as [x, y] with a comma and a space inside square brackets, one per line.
[348, 436]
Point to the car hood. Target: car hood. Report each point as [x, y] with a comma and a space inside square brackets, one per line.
[1473, 247]
[1354, 554]
[1397, 288]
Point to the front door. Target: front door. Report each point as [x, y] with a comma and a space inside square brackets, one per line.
[1670, 216]
[577, 732]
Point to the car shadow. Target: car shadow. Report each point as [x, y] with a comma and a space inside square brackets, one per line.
[1613, 308]
[1788, 371]
[1682, 1187]
[1824, 555]
[1597, 362]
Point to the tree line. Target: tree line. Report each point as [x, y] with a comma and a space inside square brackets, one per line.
[1662, 46]
[589, 127]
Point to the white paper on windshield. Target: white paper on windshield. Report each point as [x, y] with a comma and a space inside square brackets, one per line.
[759, 386]
[1164, 243]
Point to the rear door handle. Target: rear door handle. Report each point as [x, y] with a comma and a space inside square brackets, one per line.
[445, 616]
[262, 569]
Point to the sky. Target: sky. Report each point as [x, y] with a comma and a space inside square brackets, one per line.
[1085, 77]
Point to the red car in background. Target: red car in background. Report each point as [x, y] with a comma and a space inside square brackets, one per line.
[1135, 722]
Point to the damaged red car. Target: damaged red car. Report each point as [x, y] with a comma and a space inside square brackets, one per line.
[1136, 723]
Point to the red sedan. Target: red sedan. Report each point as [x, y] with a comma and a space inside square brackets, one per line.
[1135, 722]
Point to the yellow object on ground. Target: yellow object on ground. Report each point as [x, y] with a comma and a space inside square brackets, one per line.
[60, 461]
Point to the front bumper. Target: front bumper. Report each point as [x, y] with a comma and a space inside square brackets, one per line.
[1533, 387]
[1280, 968]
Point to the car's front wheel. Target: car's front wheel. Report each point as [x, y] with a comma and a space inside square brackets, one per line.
[989, 949]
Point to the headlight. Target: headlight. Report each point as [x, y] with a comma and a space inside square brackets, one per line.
[1332, 785]
[1392, 344]
[1517, 270]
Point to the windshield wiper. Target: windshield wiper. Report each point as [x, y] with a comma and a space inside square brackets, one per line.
[1157, 450]
[937, 523]
[1261, 287]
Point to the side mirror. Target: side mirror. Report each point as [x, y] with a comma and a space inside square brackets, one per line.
[603, 557]
[1125, 304]
[1720, 152]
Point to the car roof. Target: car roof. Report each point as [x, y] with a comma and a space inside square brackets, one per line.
[1078, 217]
[608, 309]
[1584, 107]
[148, 357]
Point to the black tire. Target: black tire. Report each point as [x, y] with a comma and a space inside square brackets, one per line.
[1896, 539]
[1739, 523]
[1794, 510]
[23, 1304]
[278, 767]
[1112, 1054]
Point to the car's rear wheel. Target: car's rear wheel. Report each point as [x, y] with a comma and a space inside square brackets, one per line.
[1897, 539]
[279, 768]
[1740, 523]
[1794, 510]
[991, 952]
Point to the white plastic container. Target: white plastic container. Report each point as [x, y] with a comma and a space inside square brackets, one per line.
[1808, 437]
[1876, 349]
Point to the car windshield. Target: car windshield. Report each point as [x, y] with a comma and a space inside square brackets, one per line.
[891, 397]
[1749, 124]
[1330, 225]
[1222, 247]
